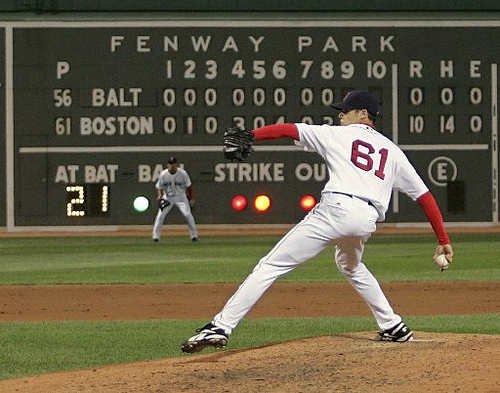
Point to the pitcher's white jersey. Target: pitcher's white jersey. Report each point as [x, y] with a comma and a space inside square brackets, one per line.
[173, 185]
[357, 155]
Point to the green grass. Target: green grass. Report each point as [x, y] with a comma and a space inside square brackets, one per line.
[127, 260]
[36, 348]
[227, 260]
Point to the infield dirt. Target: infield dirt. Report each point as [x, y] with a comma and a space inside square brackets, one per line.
[346, 363]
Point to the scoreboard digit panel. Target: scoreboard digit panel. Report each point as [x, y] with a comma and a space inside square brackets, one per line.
[445, 94]
[98, 110]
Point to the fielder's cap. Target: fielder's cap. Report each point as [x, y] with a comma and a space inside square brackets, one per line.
[358, 99]
[172, 160]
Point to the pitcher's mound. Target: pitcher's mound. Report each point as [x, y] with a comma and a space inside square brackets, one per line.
[349, 363]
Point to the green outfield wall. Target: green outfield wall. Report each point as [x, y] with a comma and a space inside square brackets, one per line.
[97, 95]
[248, 5]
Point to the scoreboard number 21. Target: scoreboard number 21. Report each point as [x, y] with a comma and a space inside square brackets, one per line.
[90, 200]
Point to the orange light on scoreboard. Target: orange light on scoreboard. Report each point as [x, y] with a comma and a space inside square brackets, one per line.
[262, 203]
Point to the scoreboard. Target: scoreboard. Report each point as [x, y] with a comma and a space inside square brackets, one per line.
[94, 110]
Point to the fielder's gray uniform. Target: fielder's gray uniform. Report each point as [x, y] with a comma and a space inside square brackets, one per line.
[173, 187]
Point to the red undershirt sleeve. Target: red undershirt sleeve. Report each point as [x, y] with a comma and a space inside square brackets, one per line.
[190, 192]
[431, 210]
[274, 131]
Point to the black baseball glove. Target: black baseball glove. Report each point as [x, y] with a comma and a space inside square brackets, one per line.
[237, 143]
[163, 203]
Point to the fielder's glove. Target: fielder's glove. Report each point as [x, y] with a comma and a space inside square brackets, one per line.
[237, 144]
[163, 203]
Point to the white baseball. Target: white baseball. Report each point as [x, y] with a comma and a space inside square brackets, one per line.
[441, 261]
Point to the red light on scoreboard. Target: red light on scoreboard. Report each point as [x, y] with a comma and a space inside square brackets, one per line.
[307, 202]
[262, 203]
[239, 203]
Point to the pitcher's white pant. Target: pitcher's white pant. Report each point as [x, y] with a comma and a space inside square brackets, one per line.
[183, 206]
[341, 219]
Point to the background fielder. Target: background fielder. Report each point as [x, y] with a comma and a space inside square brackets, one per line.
[364, 167]
[174, 187]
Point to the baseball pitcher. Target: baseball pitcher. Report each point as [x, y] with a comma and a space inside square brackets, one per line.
[364, 167]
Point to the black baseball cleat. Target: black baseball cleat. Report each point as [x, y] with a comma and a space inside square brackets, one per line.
[194, 239]
[398, 333]
[208, 336]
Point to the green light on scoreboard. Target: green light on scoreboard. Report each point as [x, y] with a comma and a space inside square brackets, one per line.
[141, 204]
